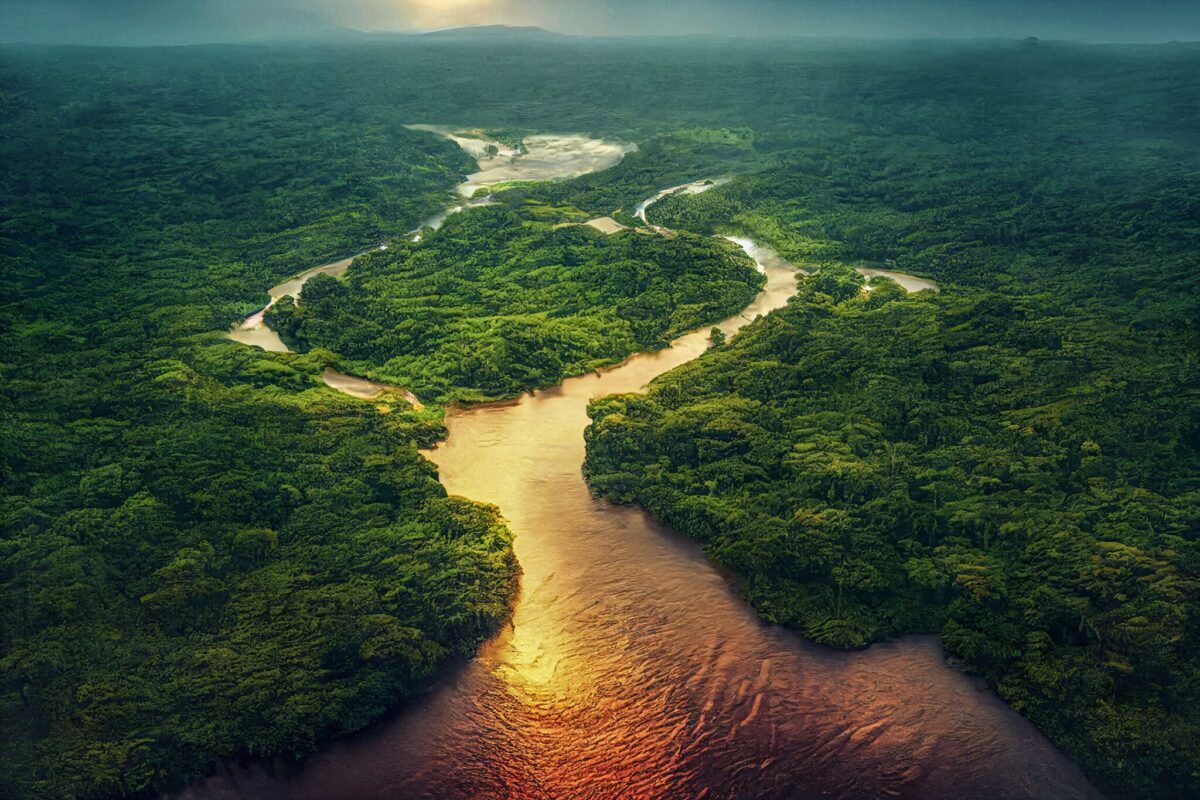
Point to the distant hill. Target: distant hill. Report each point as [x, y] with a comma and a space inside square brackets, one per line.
[493, 32]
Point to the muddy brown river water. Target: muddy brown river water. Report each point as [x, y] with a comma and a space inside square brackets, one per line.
[633, 669]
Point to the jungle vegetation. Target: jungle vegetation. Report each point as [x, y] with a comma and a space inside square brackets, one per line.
[205, 552]
[500, 300]
[1011, 463]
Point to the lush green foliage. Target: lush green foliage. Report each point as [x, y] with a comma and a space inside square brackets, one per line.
[205, 551]
[1035, 425]
[886, 464]
[1012, 463]
[227, 573]
[500, 300]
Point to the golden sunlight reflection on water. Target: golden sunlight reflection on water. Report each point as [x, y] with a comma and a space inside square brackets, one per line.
[632, 669]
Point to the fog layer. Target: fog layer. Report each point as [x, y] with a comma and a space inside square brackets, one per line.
[197, 21]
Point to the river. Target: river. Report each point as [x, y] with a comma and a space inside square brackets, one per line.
[633, 669]
[544, 156]
[541, 157]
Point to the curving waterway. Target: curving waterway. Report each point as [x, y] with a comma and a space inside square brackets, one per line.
[543, 156]
[633, 669]
[540, 157]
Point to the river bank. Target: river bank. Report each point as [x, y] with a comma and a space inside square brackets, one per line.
[633, 668]
[632, 665]
[540, 157]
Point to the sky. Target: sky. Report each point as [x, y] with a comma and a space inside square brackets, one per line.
[193, 21]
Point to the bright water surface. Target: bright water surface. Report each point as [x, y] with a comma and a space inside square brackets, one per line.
[632, 668]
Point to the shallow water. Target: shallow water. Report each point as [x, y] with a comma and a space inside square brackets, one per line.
[910, 283]
[437, 220]
[632, 668]
[547, 156]
[695, 187]
[475, 146]
[253, 330]
[293, 286]
[365, 389]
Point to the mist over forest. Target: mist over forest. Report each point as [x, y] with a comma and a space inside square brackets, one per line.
[161, 22]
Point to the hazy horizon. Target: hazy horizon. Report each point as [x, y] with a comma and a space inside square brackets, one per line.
[168, 22]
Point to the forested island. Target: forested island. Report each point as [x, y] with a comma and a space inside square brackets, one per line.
[208, 553]
[509, 298]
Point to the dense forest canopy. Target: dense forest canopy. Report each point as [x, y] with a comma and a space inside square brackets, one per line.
[874, 464]
[204, 552]
[207, 552]
[501, 300]
[1012, 462]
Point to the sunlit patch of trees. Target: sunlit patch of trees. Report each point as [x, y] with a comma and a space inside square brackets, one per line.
[505, 298]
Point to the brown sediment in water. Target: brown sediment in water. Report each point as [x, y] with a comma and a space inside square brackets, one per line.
[632, 669]
[911, 283]
[365, 389]
[254, 331]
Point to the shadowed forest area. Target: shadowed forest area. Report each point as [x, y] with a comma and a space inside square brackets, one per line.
[206, 552]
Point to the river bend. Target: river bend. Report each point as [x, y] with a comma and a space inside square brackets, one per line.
[632, 668]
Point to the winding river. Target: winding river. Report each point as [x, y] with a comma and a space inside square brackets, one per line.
[632, 668]
[541, 157]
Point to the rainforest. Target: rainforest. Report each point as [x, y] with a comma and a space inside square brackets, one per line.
[880, 360]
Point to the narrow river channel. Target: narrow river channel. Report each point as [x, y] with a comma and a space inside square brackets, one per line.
[632, 668]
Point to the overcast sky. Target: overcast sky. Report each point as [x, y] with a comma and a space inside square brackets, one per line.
[187, 21]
